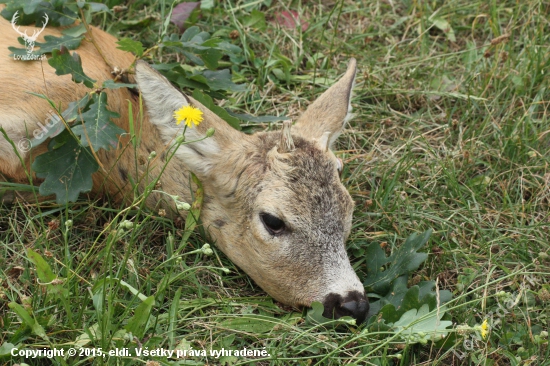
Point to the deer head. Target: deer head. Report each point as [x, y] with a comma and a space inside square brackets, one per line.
[29, 40]
[274, 203]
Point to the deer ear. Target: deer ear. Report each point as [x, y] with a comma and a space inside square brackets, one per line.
[325, 118]
[162, 100]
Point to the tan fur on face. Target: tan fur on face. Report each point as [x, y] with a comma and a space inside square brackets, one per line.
[243, 176]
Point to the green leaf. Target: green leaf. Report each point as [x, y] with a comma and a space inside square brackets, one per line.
[54, 126]
[418, 325]
[444, 26]
[5, 349]
[60, 13]
[97, 129]
[191, 33]
[222, 113]
[207, 4]
[137, 324]
[173, 318]
[129, 45]
[98, 7]
[28, 320]
[43, 270]
[67, 170]
[75, 31]
[402, 261]
[315, 314]
[111, 84]
[65, 63]
[400, 299]
[137, 23]
[45, 274]
[51, 43]
[221, 80]
[211, 57]
[256, 20]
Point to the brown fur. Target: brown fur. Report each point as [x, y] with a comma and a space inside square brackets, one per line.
[243, 176]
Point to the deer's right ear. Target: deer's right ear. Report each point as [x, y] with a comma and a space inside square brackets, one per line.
[162, 100]
[325, 118]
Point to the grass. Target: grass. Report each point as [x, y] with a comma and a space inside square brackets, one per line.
[451, 133]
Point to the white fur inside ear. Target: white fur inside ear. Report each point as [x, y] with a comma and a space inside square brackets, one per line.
[323, 141]
[162, 100]
[198, 156]
[349, 115]
[347, 118]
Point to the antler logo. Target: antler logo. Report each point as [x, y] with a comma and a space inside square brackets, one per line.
[29, 40]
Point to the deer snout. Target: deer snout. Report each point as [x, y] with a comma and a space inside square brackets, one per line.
[354, 304]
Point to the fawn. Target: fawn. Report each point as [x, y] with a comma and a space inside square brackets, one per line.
[273, 201]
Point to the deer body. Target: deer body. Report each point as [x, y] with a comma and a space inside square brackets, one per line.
[275, 207]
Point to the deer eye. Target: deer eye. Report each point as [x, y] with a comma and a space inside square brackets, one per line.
[273, 224]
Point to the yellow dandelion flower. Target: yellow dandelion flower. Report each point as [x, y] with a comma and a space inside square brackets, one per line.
[484, 329]
[189, 114]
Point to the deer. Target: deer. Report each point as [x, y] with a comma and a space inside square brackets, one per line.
[29, 40]
[274, 202]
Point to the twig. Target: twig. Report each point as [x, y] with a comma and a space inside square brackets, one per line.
[89, 31]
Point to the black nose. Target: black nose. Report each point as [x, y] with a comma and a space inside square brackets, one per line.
[354, 304]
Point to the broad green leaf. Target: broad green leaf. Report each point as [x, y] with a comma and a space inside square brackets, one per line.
[51, 43]
[221, 80]
[190, 33]
[222, 113]
[60, 13]
[138, 23]
[419, 325]
[207, 4]
[54, 125]
[97, 129]
[111, 84]
[401, 299]
[5, 349]
[67, 170]
[383, 270]
[75, 31]
[315, 314]
[65, 63]
[43, 270]
[28, 320]
[444, 26]
[129, 45]
[256, 20]
[46, 275]
[229, 48]
[137, 324]
[98, 297]
[82, 340]
[210, 57]
[98, 7]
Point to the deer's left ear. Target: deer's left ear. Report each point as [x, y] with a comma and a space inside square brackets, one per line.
[324, 119]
